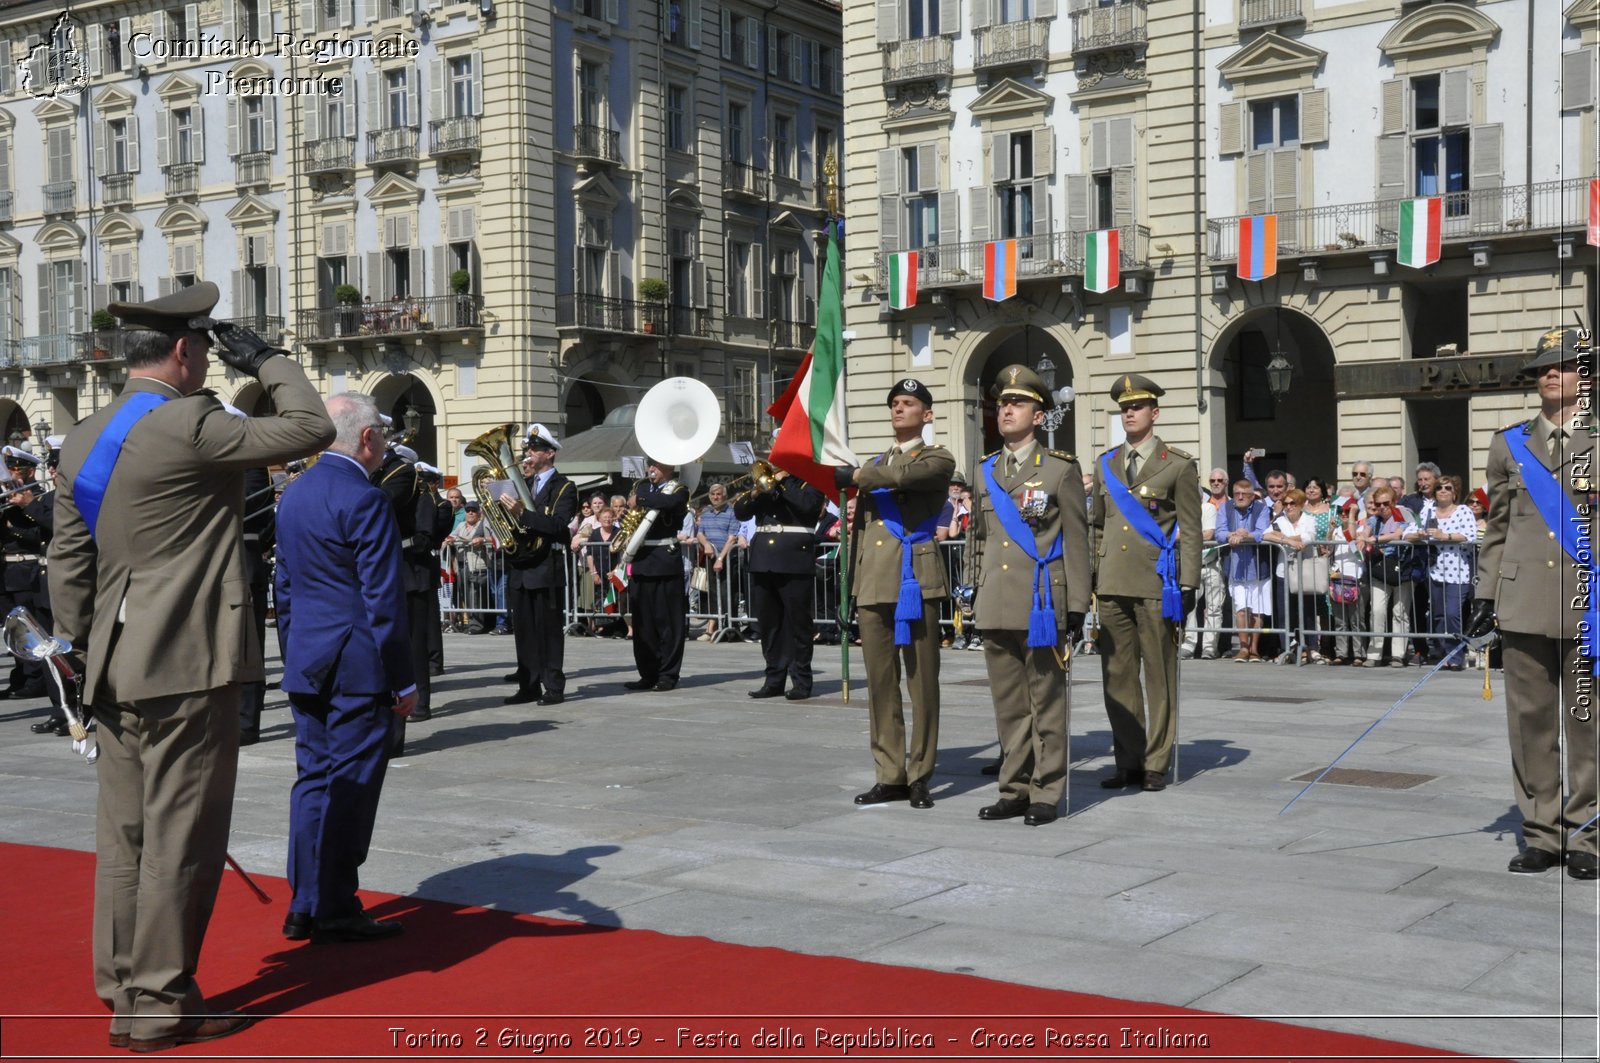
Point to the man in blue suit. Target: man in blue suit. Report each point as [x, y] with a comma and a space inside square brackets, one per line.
[347, 669]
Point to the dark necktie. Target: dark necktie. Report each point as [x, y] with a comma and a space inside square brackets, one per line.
[1557, 437]
[1133, 464]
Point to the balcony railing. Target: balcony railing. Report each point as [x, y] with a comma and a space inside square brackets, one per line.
[742, 178]
[604, 314]
[10, 354]
[596, 142]
[396, 145]
[331, 155]
[7, 204]
[453, 136]
[402, 317]
[117, 190]
[183, 179]
[64, 348]
[1253, 14]
[1119, 25]
[689, 320]
[916, 60]
[1010, 43]
[60, 197]
[1360, 227]
[792, 335]
[253, 168]
[1058, 254]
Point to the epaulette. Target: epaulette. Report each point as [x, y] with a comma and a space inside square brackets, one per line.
[1176, 453]
[1513, 424]
[1063, 455]
[991, 454]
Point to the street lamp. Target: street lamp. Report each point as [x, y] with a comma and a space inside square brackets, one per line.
[41, 429]
[1057, 413]
[1280, 374]
[412, 419]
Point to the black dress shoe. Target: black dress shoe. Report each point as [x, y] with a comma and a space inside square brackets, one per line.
[1122, 780]
[1154, 781]
[1005, 808]
[420, 715]
[767, 692]
[797, 695]
[297, 927]
[551, 698]
[641, 684]
[883, 793]
[990, 769]
[523, 697]
[1039, 814]
[249, 738]
[1533, 861]
[511, 677]
[665, 685]
[920, 797]
[1583, 865]
[353, 928]
[55, 725]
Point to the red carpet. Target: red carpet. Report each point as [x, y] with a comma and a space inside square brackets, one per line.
[468, 982]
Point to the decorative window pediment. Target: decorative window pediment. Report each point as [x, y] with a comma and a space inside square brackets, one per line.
[118, 226]
[178, 87]
[114, 101]
[1439, 27]
[686, 201]
[596, 190]
[787, 222]
[7, 123]
[252, 210]
[252, 68]
[1584, 13]
[181, 219]
[10, 249]
[1009, 97]
[55, 111]
[59, 237]
[1271, 56]
[393, 189]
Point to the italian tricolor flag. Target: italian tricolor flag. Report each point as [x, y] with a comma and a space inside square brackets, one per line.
[902, 280]
[1594, 213]
[810, 414]
[1101, 272]
[1419, 232]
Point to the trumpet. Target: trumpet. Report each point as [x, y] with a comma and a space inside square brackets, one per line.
[763, 477]
[40, 490]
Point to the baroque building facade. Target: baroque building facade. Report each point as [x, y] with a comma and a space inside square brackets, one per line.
[972, 121]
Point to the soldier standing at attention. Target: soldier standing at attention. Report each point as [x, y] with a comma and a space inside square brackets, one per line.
[1533, 586]
[1028, 560]
[899, 580]
[1144, 493]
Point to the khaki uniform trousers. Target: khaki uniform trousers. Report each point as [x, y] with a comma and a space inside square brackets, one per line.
[167, 767]
[1134, 638]
[1537, 668]
[1032, 707]
[895, 765]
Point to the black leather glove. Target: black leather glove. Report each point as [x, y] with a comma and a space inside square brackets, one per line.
[243, 349]
[1481, 620]
[1074, 627]
[1188, 601]
[844, 476]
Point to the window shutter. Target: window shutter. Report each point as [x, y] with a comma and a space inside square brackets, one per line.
[1044, 9]
[34, 60]
[1230, 127]
[269, 124]
[1314, 117]
[96, 44]
[889, 223]
[1391, 167]
[1041, 206]
[274, 291]
[980, 16]
[1488, 175]
[80, 296]
[978, 212]
[5, 167]
[233, 126]
[377, 281]
[1120, 132]
[1122, 197]
[814, 57]
[727, 31]
[949, 218]
[694, 23]
[1257, 181]
[414, 97]
[347, 13]
[436, 89]
[1285, 185]
[927, 168]
[808, 293]
[888, 21]
[377, 112]
[772, 55]
[231, 30]
[100, 134]
[1577, 79]
[46, 319]
[888, 171]
[125, 34]
[197, 134]
[949, 17]
[441, 272]
[389, 230]
[758, 282]
[1078, 186]
[1044, 151]
[240, 288]
[133, 143]
[477, 83]
[16, 302]
[1455, 98]
[166, 285]
[1099, 150]
[6, 69]
[699, 293]
[158, 32]
[999, 158]
[311, 116]
[102, 295]
[611, 11]
[1394, 107]
[264, 23]
[415, 278]
[752, 44]
[347, 104]
[797, 62]
[191, 22]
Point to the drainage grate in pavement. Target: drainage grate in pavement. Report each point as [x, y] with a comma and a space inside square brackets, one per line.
[1378, 780]
[1272, 699]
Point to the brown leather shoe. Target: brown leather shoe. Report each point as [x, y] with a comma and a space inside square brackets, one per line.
[1154, 780]
[217, 1026]
[117, 1040]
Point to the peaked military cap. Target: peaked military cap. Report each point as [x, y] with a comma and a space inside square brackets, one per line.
[1557, 347]
[913, 387]
[540, 436]
[1135, 387]
[1024, 382]
[171, 313]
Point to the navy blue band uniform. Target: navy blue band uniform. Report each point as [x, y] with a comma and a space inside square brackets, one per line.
[656, 591]
[782, 563]
[398, 479]
[536, 581]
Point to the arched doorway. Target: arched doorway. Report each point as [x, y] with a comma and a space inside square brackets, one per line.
[254, 400]
[409, 402]
[1035, 348]
[15, 421]
[585, 406]
[1298, 429]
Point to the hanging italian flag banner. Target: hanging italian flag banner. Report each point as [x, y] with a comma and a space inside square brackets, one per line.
[1101, 261]
[810, 414]
[999, 270]
[1594, 213]
[1258, 247]
[902, 280]
[1419, 232]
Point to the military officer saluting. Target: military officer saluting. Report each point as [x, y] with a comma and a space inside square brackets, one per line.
[1536, 583]
[1144, 494]
[1028, 562]
[899, 580]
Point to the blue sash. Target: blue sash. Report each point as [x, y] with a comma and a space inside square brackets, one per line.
[1042, 620]
[89, 488]
[1561, 517]
[908, 610]
[1143, 523]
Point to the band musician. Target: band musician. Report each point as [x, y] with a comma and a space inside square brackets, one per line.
[536, 577]
[656, 589]
[782, 560]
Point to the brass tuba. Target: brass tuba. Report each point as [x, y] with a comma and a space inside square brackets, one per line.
[676, 423]
[499, 462]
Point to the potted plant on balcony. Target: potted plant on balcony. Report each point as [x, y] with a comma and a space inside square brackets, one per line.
[461, 285]
[348, 297]
[104, 323]
[653, 290]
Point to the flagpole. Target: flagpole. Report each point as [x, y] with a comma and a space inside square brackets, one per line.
[830, 169]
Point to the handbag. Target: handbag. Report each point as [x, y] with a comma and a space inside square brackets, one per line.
[700, 580]
[1344, 590]
[1305, 575]
[1393, 565]
[474, 563]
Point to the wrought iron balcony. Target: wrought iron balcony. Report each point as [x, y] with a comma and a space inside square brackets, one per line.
[453, 136]
[10, 354]
[604, 314]
[1116, 26]
[117, 190]
[792, 335]
[1011, 43]
[63, 348]
[917, 60]
[7, 204]
[744, 179]
[1052, 255]
[1549, 206]
[1255, 14]
[252, 169]
[60, 197]
[331, 155]
[183, 179]
[596, 142]
[395, 146]
[391, 318]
